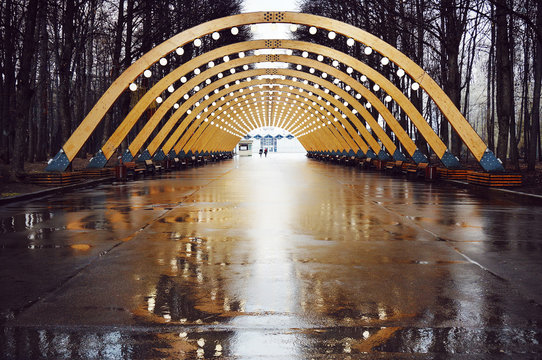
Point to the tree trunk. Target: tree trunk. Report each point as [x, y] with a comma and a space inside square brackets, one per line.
[115, 67]
[491, 87]
[24, 87]
[9, 83]
[514, 158]
[43, 84]
[535, 113]
[64, 71]
[125, 100]
[453, 32]
[504, 81]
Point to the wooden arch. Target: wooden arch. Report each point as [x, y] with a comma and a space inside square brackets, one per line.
[450, 112]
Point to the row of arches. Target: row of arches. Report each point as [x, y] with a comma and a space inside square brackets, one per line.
[212, 100]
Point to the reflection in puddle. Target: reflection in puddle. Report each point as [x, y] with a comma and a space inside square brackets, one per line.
[299, 260]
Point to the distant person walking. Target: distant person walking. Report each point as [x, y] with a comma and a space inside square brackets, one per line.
[261, 151]
[265, 152]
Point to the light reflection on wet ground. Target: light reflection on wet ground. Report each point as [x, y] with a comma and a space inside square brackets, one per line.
[280, 257]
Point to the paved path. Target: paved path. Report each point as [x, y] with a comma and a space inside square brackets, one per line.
[279, 257]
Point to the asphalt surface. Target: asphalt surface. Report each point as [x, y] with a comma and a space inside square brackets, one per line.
[280, 257]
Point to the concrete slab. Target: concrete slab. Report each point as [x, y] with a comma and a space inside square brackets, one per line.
[277, 257]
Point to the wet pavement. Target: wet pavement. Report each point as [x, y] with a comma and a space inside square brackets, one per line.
[280, 257]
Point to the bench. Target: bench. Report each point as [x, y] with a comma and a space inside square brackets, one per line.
[133, 171]
[176, 163]
[416, 171]
[394, 167]
[152, 168]
[366, 163]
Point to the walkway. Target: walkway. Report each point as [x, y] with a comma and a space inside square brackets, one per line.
[280, 256]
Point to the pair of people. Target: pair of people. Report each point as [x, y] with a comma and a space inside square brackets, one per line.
[263, 151]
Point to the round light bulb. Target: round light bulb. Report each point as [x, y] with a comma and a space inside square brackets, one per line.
[133, 87]
[368, 50]
[331, 35]
[311, 70]
[368, 105]
[183, 79]
[363, 78]
[226, 58]
[147, 73]
[349, 70]
[170, 88]
[234, 31]
[176, 106]
[245, 67]
[299, 67]
[197, 71]
[324, 75]
[400, 72]
[387, 99]
[197, 42]
[335, 63]
[215, 36]
[179, 51]
[320, 58]
[376, 87]
[293, 28]
[350, 42]
[415, 86]
[312, 30]
[241, 54]
[305, 54]
[385, 61]
[163, 61]
[159, 100]
[211, 64]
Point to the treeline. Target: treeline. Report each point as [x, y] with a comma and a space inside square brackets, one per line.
[57, 57]
[486, 55]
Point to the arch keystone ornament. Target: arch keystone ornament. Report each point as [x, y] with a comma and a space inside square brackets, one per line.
[335, 128]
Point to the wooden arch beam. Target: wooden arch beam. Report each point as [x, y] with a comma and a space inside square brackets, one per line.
[199, 128]
[454, 116]
[173, 138]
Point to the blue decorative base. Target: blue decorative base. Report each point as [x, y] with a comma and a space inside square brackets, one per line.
[159, 156]
[419, 157]
[371, 154]
[351, 153]
[450, 161]
[59, 163]
[98, 161]
[360, 154]
[382, 155]
[172, 154]
[398, 156]
[344, 153]
[127, 156]
[181, 155]
[490, 162]
[189, 153]
[145, 155]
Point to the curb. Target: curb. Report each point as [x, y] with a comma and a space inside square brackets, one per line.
[55, 190]
[508, 193]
